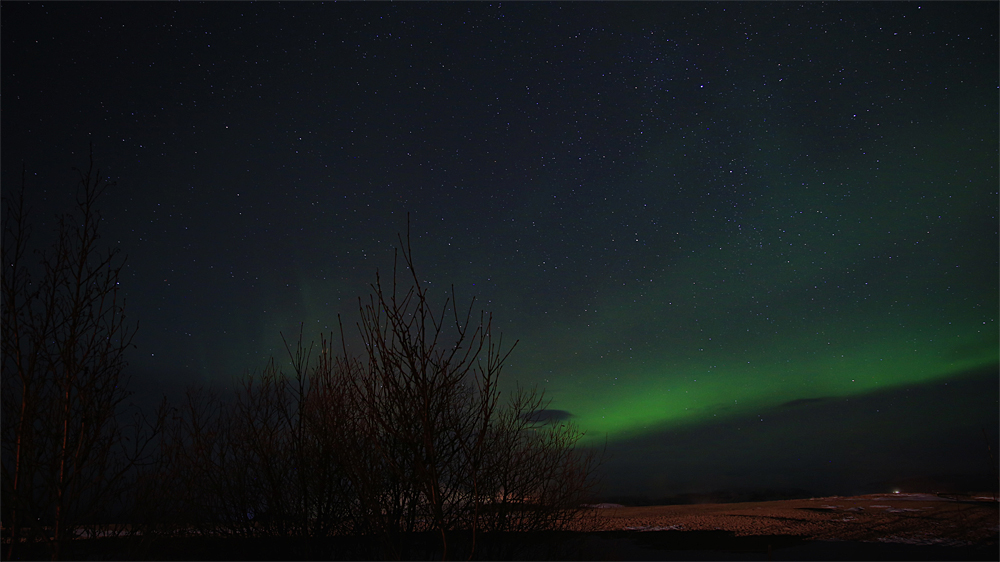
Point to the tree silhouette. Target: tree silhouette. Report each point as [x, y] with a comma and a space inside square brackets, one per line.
[411, 436]
[67, 454]
[434, 416]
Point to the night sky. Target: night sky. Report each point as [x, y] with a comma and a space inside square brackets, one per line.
[745, 245]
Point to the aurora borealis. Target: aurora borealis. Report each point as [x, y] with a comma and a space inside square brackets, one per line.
[690, 215]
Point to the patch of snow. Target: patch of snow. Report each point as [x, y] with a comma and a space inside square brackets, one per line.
[644, 528]
[910, 497]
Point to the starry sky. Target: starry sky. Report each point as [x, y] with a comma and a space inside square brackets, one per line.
[741, 245]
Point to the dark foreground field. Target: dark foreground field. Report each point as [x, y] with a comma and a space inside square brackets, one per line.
[602, 545]
[875, 527]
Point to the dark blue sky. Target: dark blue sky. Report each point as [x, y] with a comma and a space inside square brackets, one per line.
[697, 218]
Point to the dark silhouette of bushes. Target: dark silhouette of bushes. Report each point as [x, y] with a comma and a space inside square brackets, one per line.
[408, 446]
[413, 436]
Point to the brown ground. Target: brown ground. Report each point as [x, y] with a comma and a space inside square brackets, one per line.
[894, 518]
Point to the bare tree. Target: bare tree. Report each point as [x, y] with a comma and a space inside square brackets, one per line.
[66, 455]
[208, 484]
[414, 435]
[265, 463]
[535, 476]
[455, 457]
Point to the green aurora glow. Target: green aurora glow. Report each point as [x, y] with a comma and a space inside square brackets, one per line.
[687, 213]
[835, 283]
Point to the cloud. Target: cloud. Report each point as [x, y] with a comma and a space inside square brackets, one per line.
[549, 416]
[801, 401]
